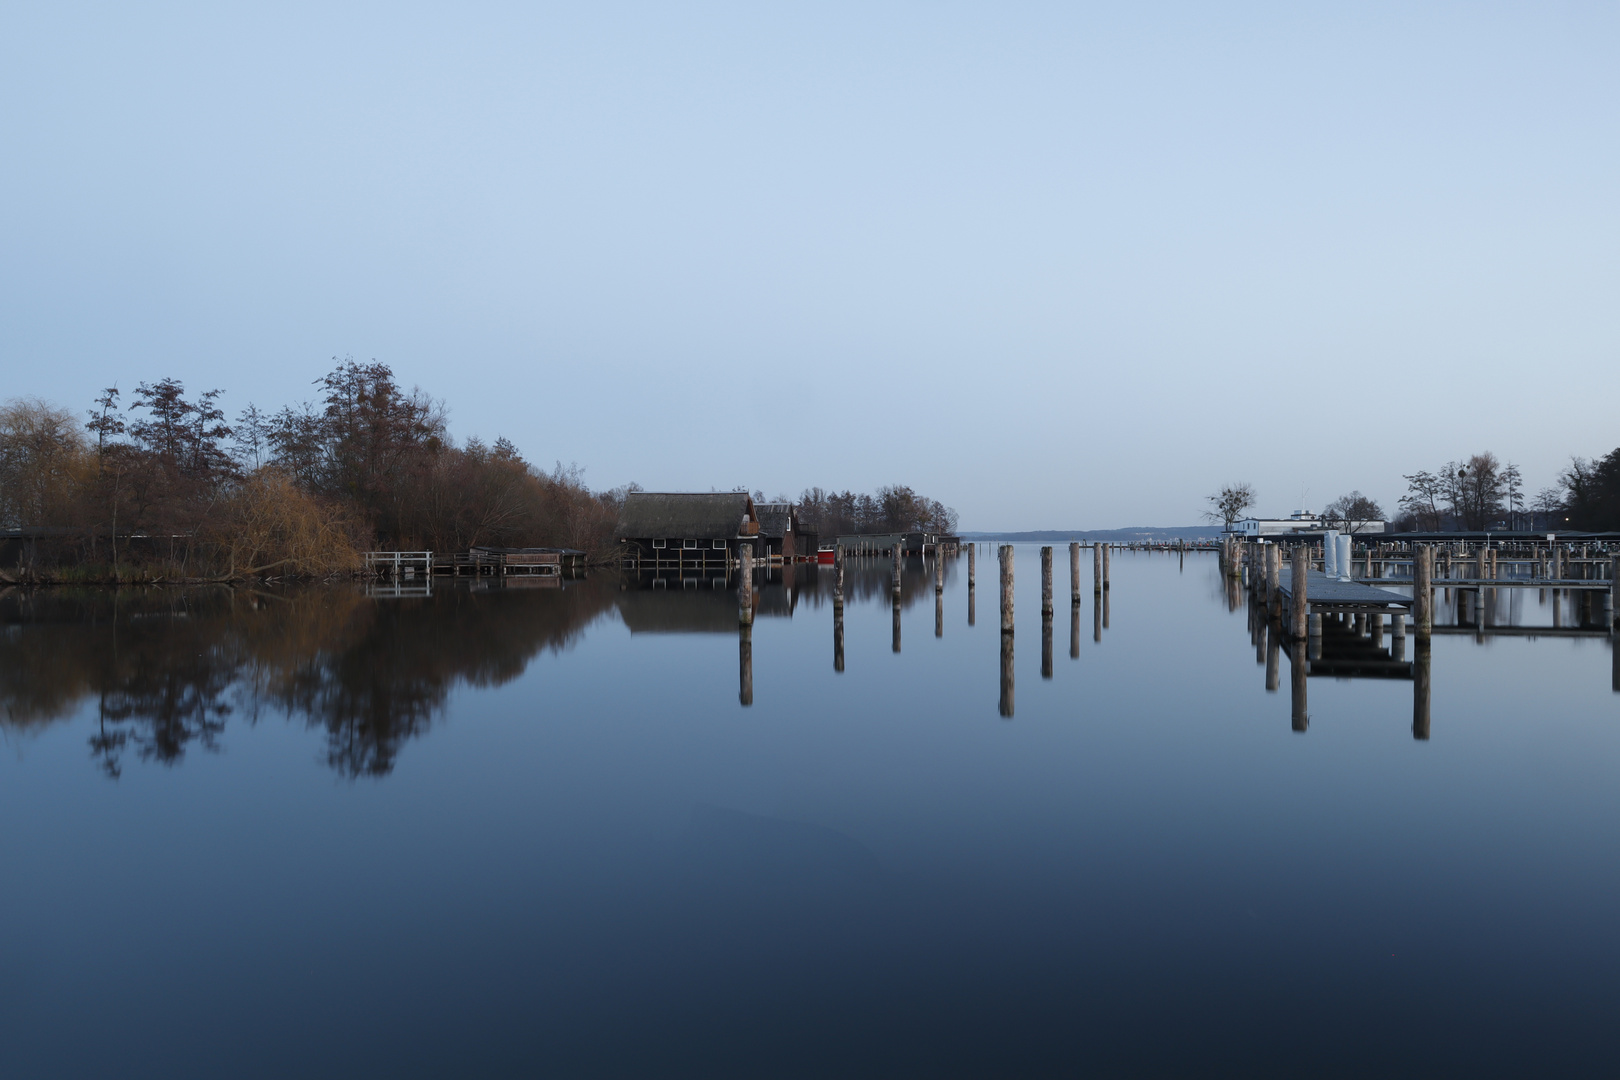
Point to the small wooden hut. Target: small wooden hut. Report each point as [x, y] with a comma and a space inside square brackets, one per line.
[779, 531]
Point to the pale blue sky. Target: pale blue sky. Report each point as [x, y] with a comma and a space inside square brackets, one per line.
[1058, 265]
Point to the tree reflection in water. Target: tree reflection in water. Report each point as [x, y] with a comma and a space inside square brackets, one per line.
[168, 667]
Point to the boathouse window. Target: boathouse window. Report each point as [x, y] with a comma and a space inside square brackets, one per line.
[688, 543]
[658, 543]
[720, 544]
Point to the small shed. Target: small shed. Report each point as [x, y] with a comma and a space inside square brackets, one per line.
[779, 531]
[685, 529]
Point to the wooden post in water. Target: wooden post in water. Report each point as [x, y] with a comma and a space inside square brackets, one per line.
[1273, 568]
[1297, 584]
[1006, 588]
[898, 559]
[973, 550]
[1614, 591]
[1074, 574]
[745, 585]
[1422, 589]
[1096, 568]
[838, 611]
[1106, 583]
[939, 571]
[1046, 581]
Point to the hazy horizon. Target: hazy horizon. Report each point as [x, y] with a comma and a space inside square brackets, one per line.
[1042, 262]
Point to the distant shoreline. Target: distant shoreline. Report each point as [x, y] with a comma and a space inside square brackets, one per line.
[1135, 533]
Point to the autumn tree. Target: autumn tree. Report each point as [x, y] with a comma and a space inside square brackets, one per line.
[44, 460]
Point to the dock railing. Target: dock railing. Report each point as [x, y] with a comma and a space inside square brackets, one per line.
[397, 564]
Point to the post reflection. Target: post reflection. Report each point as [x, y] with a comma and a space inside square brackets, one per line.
[1074, 631]
[1046, 645]
[1006, 706]
[745, 663]
[838, 638]
[1273, 666]
[971, 593]
[897, 621]
[1296, 680]
[939, 615]
[1420, 690]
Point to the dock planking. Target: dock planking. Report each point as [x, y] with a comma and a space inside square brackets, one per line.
[1322, 591]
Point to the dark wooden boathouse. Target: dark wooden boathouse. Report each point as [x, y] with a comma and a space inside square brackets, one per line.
[779, 532]
[673, 530]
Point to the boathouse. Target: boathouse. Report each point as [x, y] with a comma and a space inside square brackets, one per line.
[913, 543]
[779, 531]
[685, 529]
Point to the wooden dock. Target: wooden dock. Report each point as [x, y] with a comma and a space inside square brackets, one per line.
[1331, 594]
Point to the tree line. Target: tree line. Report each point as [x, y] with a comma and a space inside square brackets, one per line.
[1476, 494]
[894, 508]
[165, 483]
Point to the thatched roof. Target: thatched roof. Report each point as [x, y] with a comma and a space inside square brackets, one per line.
[774, 518]
[684, 515]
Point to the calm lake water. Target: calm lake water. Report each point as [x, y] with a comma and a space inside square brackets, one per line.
[534, 831]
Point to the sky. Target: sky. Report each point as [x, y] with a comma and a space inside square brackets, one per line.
[1057, 265]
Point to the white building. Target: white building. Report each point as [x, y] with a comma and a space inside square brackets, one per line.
[1297, 522]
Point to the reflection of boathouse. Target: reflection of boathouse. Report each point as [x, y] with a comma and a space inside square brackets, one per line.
[663, 602]
[675, 530]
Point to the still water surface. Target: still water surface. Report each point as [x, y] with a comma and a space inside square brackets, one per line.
[536, 832]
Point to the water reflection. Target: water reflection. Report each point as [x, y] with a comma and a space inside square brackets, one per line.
[168, 668]
[1005, 706]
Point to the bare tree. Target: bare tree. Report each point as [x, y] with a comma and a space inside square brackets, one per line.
[1513, 493]
[1352, 513]
[1475, 490]
[1549, 506]
[105, 422]
[1424, 491]
[1228, 504]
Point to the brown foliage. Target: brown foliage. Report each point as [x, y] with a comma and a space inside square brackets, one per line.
[268, 523]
